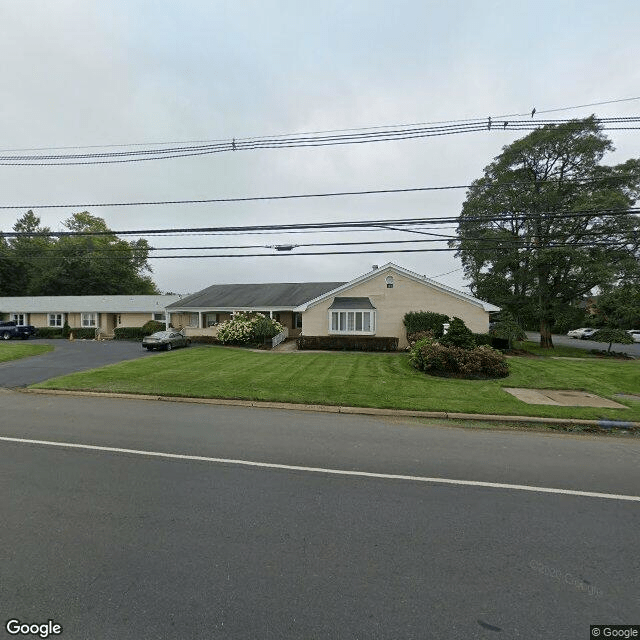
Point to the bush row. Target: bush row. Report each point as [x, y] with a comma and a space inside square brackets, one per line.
[348, 343]
[80, 333]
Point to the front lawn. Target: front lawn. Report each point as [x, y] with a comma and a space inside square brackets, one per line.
[16, 350]
[359, 379]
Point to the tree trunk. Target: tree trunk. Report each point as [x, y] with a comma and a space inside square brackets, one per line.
[545, 335]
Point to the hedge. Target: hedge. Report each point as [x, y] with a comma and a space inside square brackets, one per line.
[348, 343]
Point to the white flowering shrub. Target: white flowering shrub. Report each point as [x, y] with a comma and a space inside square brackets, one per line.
[248, 329]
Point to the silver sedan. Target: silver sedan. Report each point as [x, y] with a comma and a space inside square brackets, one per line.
[166, 340]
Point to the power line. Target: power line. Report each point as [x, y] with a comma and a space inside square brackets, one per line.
[294, 141]
[325, 131]
[357, 224]
[298, 196]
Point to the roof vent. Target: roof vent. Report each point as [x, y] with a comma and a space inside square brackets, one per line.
[374, 267]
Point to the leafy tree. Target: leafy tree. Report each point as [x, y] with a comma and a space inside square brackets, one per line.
[619, 307]
[508, 328]
[98, 264]
[611, 335]
[26, 260]
[534, 234]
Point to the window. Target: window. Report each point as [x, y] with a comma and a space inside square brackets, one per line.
[193, 319]
[297, 320]
[89, 319]
[351, 322]
[159, 317]
[18, 318]
[55, 319]
[210, 319]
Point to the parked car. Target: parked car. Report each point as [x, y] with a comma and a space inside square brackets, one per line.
[166, 340]
[635, 334]
[12, 329]
[580, 333]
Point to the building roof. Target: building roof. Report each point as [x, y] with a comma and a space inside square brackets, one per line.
[351, 303]
[265, 296]
[77, 304]
[391, 267]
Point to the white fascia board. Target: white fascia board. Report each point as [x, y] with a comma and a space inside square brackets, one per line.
[390, 266]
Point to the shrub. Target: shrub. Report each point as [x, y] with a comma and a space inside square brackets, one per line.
[49, 332]
[412, 338]
[248, 329]
[348, 343]
[507, 328]
[440, 359]
[66, 330]
[153, 326]
[458, 335]
[128, 333]
[415, 321]
[483, 339]
[83, 333]
[205, 339]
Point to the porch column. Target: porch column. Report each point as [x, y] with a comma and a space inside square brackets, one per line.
[200, 317]
[167, 320]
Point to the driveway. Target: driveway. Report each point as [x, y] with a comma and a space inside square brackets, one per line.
[67, 357]
[629, 349]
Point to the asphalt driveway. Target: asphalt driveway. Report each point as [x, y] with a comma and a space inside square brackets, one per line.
[67, 357]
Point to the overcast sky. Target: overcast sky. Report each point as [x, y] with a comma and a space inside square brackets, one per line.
[78, 73]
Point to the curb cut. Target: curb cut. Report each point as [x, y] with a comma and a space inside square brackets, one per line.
[602, 425]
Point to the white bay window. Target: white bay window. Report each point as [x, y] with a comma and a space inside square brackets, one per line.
[351, 316]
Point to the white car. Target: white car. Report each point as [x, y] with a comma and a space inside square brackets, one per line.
[580, 333]
[635, 334]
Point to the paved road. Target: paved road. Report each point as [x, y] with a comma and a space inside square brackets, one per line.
[120, 545]
[629, 349]
[67, 357]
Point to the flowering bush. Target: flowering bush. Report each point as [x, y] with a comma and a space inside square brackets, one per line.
[248, 329]
[439, 359]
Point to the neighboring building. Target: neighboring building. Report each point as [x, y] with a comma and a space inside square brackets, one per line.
[101, 312]
[372, 304]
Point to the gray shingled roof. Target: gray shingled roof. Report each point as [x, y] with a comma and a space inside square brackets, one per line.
[76, 304]
[351, 303]
[255, 296]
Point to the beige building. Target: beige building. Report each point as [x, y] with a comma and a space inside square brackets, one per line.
[372, 304]
[103, 313]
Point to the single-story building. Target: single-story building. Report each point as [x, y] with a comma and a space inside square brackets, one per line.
[371, 304]
[100, 312]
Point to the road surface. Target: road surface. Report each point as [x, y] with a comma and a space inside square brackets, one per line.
[163, 528]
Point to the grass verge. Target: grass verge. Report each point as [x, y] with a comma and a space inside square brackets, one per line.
[16, 350]
[359, 379]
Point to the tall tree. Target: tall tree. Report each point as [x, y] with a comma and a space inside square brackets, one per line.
[26, 259]
[547, 223]
[98, 264]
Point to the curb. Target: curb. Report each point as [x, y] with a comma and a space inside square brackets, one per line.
[602, 425]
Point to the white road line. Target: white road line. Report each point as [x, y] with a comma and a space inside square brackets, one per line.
[336, 472]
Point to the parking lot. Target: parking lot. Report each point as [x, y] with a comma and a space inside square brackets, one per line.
[67, 357]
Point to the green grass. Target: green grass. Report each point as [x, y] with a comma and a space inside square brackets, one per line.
[558, 351]
[16, 350]
[359, 379]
